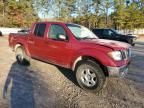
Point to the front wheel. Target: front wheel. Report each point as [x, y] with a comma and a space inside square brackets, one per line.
[90, 76]
[131, 42]
[21, 57]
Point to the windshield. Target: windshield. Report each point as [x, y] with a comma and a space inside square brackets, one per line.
[81, 32]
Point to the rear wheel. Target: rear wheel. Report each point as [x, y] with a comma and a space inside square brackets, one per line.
[90, 76]
[21, 57]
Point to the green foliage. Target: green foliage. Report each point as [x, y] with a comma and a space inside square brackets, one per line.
[127, 17]
[91, 13]
[124, 16]
[17, 14]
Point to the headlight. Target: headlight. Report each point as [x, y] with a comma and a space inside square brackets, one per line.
[116, 55]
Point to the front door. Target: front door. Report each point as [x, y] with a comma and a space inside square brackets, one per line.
[59, 49]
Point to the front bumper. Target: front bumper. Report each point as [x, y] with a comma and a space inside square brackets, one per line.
[117, 71]
[134, 41]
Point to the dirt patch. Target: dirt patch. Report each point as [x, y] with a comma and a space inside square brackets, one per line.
[140, 38]
[118, 92]
[42, 85]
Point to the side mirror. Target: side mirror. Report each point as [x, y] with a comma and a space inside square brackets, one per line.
[62, 37]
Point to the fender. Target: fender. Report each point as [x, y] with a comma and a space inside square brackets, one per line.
[99, 56]
[25, 48]
[75, 62]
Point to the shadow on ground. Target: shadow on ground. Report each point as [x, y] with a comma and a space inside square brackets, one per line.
[69, 74]
[20, 85]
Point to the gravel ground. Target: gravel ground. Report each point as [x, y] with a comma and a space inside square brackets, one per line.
[140, 38]
[42, 85]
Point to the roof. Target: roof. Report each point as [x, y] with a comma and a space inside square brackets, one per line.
[51, 22]
[101, 28]
[57, 22]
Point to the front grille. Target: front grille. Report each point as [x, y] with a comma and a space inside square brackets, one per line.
[126, 53]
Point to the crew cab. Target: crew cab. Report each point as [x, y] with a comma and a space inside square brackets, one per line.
[74, 47]
[114, 35]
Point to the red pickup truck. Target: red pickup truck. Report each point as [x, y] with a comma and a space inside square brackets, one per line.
[74, 47]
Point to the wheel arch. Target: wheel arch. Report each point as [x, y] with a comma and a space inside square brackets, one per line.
[17, 45]
[23, 46]
[89, 58]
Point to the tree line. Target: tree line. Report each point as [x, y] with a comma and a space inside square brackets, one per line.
[118, 14]
[17, 13]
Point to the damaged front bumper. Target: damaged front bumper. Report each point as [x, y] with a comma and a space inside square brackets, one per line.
[117, 71]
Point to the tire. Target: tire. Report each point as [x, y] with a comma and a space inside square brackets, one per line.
[90, 76]
[21, 56]
[131, 42]
[1, 33]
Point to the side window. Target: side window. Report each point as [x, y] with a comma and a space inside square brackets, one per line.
[107, 33]
[99, 33]
[36, 29]
[55, 31]
[39, 30]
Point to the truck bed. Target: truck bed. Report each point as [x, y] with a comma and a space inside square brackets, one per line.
[15, 38]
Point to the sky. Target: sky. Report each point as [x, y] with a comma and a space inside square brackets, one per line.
[51, 14]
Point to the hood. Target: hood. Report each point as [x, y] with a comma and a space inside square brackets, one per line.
[115, 45]
[128, 35]
[131, 36]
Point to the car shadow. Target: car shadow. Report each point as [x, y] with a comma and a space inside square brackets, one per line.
[19, 85]
[69, 74]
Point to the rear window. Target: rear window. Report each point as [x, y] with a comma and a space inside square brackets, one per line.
[40, 30]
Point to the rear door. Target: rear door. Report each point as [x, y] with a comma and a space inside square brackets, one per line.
[36, 41]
